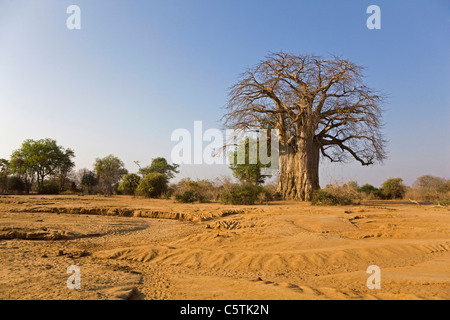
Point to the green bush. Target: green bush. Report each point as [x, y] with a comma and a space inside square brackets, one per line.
[246, 194]
[49, 187]
[153, 185]
[322, 197]
[393, 188]
[186, 197]
[370, 192]
[129, 184]
[15, 184]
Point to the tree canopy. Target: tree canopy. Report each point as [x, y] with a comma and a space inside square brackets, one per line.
[129, 183]
[41, 158]
[160, 165]
[88, 179]
[152, 185]
[109, 170]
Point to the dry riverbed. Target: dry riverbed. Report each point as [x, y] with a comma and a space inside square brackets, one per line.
[133, 248]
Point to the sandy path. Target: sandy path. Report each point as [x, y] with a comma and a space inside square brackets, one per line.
[283, 251]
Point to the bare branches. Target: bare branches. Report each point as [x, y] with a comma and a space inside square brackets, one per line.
[304, 96]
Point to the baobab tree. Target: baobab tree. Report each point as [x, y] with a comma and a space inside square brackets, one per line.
[321, 109]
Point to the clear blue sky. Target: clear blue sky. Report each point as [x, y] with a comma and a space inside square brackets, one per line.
[137, 70]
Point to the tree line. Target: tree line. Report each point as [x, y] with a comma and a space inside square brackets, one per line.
[44, 167]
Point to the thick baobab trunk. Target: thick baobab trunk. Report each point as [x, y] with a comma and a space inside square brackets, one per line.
[299, 171]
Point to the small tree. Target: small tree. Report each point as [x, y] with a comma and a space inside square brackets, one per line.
[88, 179]
[393, 188]
[153, 185]
[367, 189]
[247, 172]
[129, 183]
[23, 172]
[431, 184]
[431, 188]
[109, 170]
[42, 158]
[160, 165]
[62, 174]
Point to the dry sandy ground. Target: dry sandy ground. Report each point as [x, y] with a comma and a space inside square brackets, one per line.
[130, 248]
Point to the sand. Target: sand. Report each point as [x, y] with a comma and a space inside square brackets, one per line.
[133, 248]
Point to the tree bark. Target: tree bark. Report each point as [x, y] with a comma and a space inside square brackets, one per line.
[298, 177]
[288, 174]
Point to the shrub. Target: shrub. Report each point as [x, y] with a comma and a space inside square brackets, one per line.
[322, 197]
[153, 185]
[129, 184]
[192, 191]
[241, 194]
[433, 184]
[337, 195]
[429, 188]
[49, 187]
[88, 180]
[270, 192]
[370, 192]
[15, 184]
[186, 197]
[393, 188]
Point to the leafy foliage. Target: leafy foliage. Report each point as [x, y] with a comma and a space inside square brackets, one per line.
[186, 197]
[246, 194]
[393, 188]
[371, 192]
[50, 187]
[188, 190]
[88, 179]
[15, 184]
[129, 183]
[109, 170]
[250, 170]
[153, 185]
[160, 165]
[41, 158]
